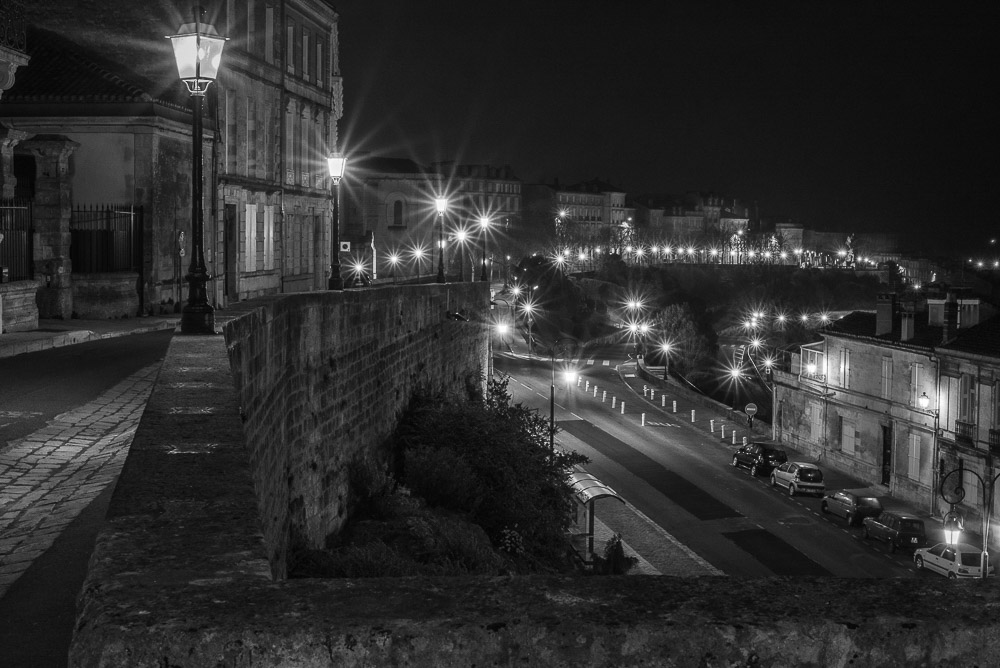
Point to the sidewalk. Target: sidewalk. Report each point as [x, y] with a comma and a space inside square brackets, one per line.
[57, 333]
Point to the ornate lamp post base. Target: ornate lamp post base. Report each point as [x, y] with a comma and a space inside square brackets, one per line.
[198, 319]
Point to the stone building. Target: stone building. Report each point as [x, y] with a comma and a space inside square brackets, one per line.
[895, 395]
[105, 82]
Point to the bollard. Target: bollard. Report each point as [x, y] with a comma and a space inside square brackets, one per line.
[734, 437]
[643, 420]
[604, 396]
[692, 415]
[579, 379]
[613, 400]
[623, 408]
[711, 426]
[744, 441]
[723, 432]
[675, 406]
[663, 401]
[652, 394]
[587, 386]
[595, 391]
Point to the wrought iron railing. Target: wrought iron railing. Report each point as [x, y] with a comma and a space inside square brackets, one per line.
[106, 238]
[995, 441]
[15, 246]
[12, 28]
[965, 432]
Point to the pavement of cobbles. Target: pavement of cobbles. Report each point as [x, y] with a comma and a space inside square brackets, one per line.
[48, 477]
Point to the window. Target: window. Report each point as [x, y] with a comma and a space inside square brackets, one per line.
[306, 54]
[848, 436]
[845, 368]
[913, 459]
[320, 70]
[966, 398]
[269, 34]
[290, 47]
[815, 422]
[250, 238]
[397, 213]
[251, 137]
[886, 377]
[269, 237]
[915, 373]
[232, 142]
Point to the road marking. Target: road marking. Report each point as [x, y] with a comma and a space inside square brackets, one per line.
[607, 362]
[590, 362]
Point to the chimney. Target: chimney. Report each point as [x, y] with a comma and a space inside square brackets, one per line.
[885, 309]
[950, 319]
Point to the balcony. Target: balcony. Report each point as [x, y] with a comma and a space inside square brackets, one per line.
[995, 441]
[965, 432]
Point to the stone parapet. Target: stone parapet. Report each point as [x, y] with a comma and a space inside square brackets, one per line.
[105, 296]
[18, 310]
[180, 573]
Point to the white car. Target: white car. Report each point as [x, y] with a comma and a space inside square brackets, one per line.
[955, 561]
[798, 477]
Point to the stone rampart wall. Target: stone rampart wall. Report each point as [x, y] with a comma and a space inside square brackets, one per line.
[179, 575]
[322, 379]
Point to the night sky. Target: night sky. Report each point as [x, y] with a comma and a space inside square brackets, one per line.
[850, 116]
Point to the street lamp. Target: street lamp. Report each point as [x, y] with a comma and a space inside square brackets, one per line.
[484, 223]
[393, 261]
[665, 347]
[198, 52]
[460, 236]
[953, 495]
[528, 308]
[337, 164]
[442, 205]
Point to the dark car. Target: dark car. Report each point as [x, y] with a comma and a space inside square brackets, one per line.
[760, 458]
[851, 506]
[901, 531]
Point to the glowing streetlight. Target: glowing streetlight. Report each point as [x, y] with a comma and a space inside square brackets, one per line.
[441, 204]
[484, 224]
[198, 53]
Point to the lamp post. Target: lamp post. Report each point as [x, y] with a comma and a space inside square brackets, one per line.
[953, 495]
[442, 205]
[665, 347]
[461, 236]
[393, 261]
[337, 164]
[198, 52]
[484, 224]
[552, 393]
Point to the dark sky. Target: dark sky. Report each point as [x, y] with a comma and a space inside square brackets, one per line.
[856, 116]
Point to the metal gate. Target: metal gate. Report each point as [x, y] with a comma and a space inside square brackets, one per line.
[15, 240]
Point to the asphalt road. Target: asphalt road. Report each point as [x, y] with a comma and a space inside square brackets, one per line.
[681, 477]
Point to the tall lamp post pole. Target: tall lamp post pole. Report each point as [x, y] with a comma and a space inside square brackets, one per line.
[198, 52]
[484, 223]
[442, 206]
[337, 164]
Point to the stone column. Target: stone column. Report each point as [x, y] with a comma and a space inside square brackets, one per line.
[50, 218]
[8, 140]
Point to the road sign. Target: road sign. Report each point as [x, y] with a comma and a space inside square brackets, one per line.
[751, 409]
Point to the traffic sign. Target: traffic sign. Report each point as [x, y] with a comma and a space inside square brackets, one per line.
[751, 409]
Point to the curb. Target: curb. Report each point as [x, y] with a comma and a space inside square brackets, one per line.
[69, 338]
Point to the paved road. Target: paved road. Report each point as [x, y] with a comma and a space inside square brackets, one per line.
[679, 476]
[67, 418]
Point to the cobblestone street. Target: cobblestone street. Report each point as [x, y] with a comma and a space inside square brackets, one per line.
[50, 476]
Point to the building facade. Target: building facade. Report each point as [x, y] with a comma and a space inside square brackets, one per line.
[897, 396]
[270, 122]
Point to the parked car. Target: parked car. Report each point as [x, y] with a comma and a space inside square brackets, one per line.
[852, 507]
[899, 530]
[955, 561]
[760, 458]
[798, 477]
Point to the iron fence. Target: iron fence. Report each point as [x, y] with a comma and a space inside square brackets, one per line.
[106, 238]
[15, 240]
